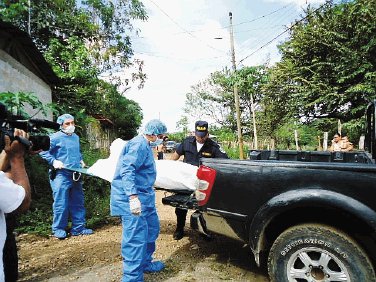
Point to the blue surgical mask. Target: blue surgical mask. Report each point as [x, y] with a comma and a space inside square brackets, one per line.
[156, 142]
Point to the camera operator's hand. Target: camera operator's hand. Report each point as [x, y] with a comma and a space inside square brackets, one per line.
[15, 149]
[14, 152]
[57, 164]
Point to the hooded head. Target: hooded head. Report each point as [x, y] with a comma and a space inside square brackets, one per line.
[155, 127]
[61, 119]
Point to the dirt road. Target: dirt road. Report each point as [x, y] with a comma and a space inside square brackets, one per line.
[97, 257]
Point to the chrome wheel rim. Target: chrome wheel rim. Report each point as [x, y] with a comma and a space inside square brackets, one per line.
[313, 264]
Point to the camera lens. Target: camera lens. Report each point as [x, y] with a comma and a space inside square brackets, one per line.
[40, 142]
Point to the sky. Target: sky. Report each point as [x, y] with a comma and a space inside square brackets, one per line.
[183, 41]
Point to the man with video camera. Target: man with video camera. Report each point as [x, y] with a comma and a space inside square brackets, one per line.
[17, 136]
[15, 196]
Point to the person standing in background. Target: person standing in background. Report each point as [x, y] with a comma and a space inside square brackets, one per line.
[346, 146]
[66, 185]
[336, 143]
[161, 148]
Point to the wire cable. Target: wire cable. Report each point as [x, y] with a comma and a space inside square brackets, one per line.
[286, 30]
[278, 22]
[186, 31]
[252, 20]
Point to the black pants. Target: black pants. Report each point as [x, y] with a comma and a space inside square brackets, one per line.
[10, 257]
[181, 214]
[160, 155]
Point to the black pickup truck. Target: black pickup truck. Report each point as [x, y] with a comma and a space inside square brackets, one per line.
[308, 216]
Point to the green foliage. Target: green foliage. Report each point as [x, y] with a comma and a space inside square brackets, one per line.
[103, 25]
[82, 41]
[125, 113]
[39, 217]
[183, 124]
[16, 102]
[307, 136]
[328, 65]
[234, 152]
[177, 136]
[223, 134]
[97, 201]
[213, 98]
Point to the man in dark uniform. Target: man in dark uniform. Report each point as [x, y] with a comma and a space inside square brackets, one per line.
[193, 148]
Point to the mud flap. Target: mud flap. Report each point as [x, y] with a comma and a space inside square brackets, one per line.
[198, 223]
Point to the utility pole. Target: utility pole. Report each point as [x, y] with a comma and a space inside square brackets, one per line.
[29, 19]
[254, 123]
[236, 95]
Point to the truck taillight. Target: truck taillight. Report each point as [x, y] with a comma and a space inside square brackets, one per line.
[206, 177]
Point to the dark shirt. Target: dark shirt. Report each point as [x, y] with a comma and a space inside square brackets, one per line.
[188, 148]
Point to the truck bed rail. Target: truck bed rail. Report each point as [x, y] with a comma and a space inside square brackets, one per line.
[311, 156]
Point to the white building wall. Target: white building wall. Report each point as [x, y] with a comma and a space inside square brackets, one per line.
[14, 77]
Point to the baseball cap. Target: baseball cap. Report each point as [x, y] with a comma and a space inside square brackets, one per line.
[201, 128]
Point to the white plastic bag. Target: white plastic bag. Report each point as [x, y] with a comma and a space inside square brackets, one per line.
[105, 168]
[175, 175]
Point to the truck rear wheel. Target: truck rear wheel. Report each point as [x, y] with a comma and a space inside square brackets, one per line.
[313, 252]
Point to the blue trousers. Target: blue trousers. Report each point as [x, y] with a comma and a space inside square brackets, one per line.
[68, 201]
[138, 243]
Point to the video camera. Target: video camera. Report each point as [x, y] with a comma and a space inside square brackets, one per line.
[36, 128]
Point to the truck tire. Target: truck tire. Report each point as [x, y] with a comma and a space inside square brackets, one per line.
[314, 252]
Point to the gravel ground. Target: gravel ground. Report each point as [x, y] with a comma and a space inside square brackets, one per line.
[97, 257]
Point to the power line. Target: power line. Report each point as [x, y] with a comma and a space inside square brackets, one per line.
[261, 17]
[258, 29]
[286, 30]
[186, 31]
[265, 35]
[286, 16]
[187, 59]
[252, 20]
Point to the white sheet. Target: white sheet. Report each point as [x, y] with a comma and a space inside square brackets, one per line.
[171, 175]
[105, 168]
[175, 175]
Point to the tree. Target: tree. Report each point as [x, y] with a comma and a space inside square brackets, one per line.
[125, 113]
[83, 40]
[182, 124]
[213, 98]
[209, 99]
[328, 67]
[102, 25]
